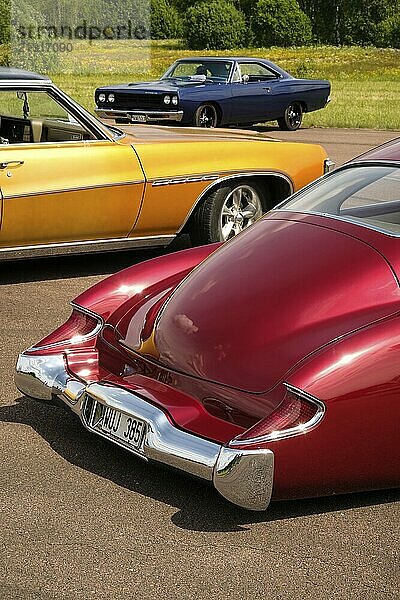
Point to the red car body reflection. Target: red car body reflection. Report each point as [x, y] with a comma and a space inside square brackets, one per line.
[284, 341]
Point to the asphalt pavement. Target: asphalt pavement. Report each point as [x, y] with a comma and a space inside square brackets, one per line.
[82, 519]
[341, 144]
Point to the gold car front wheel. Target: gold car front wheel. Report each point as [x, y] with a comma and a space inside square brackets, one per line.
[226, 212]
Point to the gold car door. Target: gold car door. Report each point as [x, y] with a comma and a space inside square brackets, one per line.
[71, 192]
[59, 183]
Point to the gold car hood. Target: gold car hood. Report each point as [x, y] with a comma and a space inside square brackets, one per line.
[173, 152]
[157, 133]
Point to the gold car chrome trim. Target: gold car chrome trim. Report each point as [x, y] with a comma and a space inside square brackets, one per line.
[96, 127]
[58, 144]
[184, 179]
[26, 83]
[220, 175]
[41, 250]
[235, 176]
[102, 131]
[73, 189]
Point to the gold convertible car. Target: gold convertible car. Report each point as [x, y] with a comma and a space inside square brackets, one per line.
[71, 184]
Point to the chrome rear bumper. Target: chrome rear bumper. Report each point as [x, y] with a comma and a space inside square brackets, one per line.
[148, 116]
[243, 477]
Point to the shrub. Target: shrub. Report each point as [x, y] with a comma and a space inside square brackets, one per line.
[281, 23]
[246, 6]
[182, 5]
[166, 22]
[215, 25]
[388, 32]
[359, 20]
[5, 17]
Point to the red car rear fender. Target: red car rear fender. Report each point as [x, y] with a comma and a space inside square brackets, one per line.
[113, 296]
[366, 360]
[356, 445]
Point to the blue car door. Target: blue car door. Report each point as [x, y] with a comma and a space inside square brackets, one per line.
[255, 93]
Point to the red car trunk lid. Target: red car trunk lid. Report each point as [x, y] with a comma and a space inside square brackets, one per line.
[264, 301]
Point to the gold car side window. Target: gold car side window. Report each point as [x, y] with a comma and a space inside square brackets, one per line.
[35, 117]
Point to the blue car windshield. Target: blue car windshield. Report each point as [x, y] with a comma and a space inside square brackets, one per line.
[200, 70]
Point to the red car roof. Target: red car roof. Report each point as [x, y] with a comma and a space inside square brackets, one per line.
[388, 151]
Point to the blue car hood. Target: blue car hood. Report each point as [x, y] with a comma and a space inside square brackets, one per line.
[157, 86]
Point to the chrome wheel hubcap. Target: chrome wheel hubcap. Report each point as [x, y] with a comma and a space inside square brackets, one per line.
[207, 117]
[241, 208]
[294, 116]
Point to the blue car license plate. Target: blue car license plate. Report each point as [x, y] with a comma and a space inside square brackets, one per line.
[138, 118]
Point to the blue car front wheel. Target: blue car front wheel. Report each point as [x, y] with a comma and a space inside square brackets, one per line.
[206, 116]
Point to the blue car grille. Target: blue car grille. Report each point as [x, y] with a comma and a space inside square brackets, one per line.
[138, 101]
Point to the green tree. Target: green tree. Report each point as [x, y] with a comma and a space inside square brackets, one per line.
[166, 22]
[388, 32]
[361, 18]
[183, 5]
[348, 21]
[5, 19]
[246, 6]
[215, 25]
[281, 23]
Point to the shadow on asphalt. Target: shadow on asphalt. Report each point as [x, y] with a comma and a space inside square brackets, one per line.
[67, 267]
[199, 506]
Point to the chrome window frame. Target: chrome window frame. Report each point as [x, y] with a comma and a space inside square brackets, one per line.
[261, 64]
[362, 163]
[195, 59]
[83, 117]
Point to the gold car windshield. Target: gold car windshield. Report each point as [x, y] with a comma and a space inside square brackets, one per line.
[35, 117]
[368, 195]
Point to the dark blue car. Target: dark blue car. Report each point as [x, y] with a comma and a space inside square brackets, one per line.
[214, 91]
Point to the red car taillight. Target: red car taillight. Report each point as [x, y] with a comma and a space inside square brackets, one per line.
[297, 413]
[81, 326]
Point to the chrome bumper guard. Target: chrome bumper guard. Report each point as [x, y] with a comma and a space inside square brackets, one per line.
[150, 116]
[243, 477]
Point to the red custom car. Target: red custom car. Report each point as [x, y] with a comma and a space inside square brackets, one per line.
[269, 365]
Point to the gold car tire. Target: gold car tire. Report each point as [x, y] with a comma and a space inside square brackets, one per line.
[227, 211]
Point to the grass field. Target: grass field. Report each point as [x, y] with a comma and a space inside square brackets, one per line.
[365, 81]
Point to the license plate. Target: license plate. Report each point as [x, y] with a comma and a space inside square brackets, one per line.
[138, 118]
[114, 424]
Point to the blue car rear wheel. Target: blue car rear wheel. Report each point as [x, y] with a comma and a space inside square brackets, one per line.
[292, 118]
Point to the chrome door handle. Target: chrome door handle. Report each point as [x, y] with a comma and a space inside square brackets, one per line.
[267, 89]
[11, 163]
